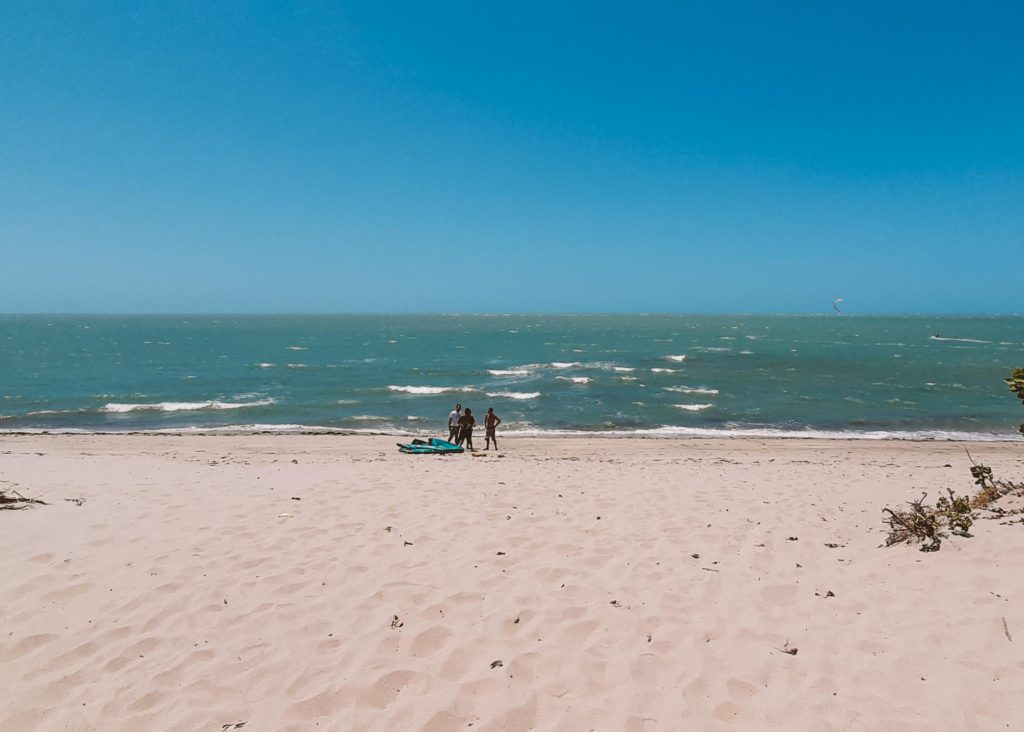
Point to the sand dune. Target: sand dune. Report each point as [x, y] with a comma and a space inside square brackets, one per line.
[573, 584]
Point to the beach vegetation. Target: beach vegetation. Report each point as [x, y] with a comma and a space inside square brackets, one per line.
[1016, 383]
[920, 523]
[927, 525]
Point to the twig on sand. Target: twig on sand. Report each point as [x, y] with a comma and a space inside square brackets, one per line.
[14, 501]
[791, 651]
[1006, 630]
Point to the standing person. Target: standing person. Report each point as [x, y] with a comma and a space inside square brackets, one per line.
[466, 422]
[453, 422]
[491, 422]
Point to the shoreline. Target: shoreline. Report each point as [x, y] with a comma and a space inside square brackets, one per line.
[924, 436]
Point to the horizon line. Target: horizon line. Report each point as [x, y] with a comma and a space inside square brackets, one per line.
[415, 313]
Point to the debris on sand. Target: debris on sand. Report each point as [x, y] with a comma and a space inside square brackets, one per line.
[14, 501]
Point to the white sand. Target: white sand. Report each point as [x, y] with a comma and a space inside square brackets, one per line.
[190, 591]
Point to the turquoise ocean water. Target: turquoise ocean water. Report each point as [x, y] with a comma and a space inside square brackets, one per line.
[637, 374]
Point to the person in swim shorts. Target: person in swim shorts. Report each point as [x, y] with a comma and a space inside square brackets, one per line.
[491, 422]
[466, 422]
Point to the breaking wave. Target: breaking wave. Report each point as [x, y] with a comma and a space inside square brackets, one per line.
[691, 389]
[119, 408]
[513, 394]
[428, 389]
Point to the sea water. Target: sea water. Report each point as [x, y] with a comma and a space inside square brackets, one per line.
[835, 375]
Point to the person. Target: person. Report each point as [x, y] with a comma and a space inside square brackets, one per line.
[491, 422]
[453, 422]
[466, 422]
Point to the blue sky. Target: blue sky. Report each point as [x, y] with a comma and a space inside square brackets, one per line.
[374, 156]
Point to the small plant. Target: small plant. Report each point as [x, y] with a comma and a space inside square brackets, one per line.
[929, 525]
[1016, 382]
[918, 524]
[955, 512]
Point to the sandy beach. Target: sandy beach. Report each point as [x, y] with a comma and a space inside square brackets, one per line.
[325, 582]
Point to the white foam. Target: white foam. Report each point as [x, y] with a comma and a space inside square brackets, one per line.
[623, 369]
[691, 389]
[296, 365]
[693, 407]
[564, 364]
[676, 359]
[297, 348]
[712, 349]
[514, 394]
[958, 340]
[527, 430]
[118, 408]
[265, 365]
[575, 379]
[428, 389]
[508, 372]
[664, 371]
[670, 431]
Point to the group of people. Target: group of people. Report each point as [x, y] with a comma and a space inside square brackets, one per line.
[461, 423]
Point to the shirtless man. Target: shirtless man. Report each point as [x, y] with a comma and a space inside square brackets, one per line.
[491, 422]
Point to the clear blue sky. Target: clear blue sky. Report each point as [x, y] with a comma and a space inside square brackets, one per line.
[484, 156]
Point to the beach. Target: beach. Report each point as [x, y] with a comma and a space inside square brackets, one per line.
[297, 582]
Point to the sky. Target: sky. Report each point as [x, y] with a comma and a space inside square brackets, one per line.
[683, 157]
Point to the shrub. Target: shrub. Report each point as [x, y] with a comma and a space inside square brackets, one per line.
[929, 525]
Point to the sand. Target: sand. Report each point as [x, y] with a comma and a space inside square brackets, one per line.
[573, 584]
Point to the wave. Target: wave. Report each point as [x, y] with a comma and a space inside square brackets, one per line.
[957, 340]
[514, 394]
[693, 407]
[297, 348]
[564, 364]
[712, 349]
[676, 359]
[691, 389]
[669, 431]
[664, 371]
[575, 379]
[118, 408]
[429, 389]
[265, 365]
[664, 431]
[508, 372]
[50, 411]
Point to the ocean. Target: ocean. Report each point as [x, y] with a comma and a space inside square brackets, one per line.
[650, 375]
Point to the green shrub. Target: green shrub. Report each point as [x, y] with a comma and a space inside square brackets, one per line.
[929, 525]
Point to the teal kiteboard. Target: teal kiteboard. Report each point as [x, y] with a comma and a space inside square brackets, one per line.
[433, 446]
